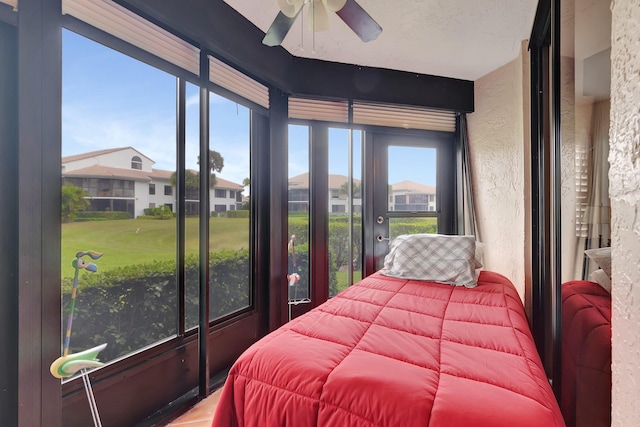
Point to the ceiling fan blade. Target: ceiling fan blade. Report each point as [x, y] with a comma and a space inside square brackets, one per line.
[279, 29]
[359, 21]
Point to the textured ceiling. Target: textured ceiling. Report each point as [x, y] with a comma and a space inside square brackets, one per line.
[462, 39]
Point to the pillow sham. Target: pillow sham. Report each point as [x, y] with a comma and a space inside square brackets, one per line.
[602, 257]
[434, 258]
[479, 255]
[601, 278]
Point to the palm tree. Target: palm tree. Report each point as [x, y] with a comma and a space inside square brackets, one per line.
[74, 199]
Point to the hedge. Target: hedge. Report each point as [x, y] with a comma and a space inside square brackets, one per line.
[160, 212]
[238, 214]
[82, 216]
[135, 306]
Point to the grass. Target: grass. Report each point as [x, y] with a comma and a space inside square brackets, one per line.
[141, 241]
[343, 279]
[137, 241]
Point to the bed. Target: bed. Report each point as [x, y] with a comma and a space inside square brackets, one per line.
[586, 354]
[400, 349]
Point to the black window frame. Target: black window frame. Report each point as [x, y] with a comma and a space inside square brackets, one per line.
[238, 321]
[136, 163]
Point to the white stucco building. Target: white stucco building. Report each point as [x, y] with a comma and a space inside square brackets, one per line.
[124, 179]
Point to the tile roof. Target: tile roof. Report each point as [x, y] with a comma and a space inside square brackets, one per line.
[223, 183]
[89, 154]
[413, 187]
[96, 171]
[335, 181]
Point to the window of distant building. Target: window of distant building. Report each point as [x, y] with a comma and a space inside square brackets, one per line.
[152, 189]
[136, 163]
[221, 193]
[220, 208]
[168, 190]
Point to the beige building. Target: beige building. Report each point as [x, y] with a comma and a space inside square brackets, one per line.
[124, 179]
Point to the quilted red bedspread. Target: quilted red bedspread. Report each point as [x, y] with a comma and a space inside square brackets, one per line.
[586, 354]
[393, 352]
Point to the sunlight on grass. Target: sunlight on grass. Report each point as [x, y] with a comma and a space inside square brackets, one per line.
[138, 241]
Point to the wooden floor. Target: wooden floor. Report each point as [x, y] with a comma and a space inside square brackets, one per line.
[200, 415]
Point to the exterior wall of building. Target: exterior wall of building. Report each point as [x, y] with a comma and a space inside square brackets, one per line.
[624, 190]
[121, 159]
[117, 159]
[145, 200]
[231, 201]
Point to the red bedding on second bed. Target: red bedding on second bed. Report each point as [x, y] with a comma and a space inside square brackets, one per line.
[393, 352]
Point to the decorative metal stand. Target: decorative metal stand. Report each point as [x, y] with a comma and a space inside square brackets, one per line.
[85, 361]
[294, 277]
[84, 373]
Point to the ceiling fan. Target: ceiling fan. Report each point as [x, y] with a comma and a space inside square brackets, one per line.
[348, 10]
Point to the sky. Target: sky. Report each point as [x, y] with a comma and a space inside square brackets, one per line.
[110, 100]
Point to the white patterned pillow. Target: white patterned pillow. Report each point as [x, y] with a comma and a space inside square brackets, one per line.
[433, 257]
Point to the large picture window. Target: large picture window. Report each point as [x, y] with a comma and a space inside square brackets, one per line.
[229, 229]
[108, 127]
[297, 249]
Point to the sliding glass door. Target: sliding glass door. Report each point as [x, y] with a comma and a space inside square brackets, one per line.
[413, 190]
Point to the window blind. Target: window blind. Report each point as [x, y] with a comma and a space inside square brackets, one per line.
[315, 109]
[229, 78]
[403, 117]
[126, 25]
[582, 189]
[13, 3]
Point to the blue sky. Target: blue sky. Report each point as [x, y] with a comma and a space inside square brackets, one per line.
[111, 100]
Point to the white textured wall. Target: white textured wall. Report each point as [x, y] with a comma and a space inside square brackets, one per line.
[496, 145]
[571, 256]
[624, 190]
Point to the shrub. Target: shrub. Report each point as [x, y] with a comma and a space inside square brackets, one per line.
[135, 306]
[161, 212]
[413, 226]
[101, 215]
[238, 214]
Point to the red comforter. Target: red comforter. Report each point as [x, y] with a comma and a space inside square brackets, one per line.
[586, 354]
[392, 352]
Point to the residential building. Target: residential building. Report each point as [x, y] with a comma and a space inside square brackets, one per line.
[124, 179]
[338, 202]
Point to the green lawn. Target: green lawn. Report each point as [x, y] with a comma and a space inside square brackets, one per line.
[136, 241]
[343, 279]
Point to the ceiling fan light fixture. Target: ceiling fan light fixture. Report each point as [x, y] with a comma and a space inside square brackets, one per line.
[318, 19]
[356, 18]
[334, 5]
[290, 8]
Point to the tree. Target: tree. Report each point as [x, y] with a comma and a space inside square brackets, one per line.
[192, 179]
[74, 199]
[216, 163]
[344, 189]
[246, 203]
